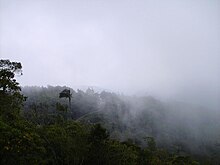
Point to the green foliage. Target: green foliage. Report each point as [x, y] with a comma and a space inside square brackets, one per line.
[20, 144]
[151, 143]
[10, 97]
[120, 153]
[46, 134]
[61, 108]
[98, 134]
[113, 112]
[7, 73]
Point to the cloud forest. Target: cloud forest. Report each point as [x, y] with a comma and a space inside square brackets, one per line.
[38, 126]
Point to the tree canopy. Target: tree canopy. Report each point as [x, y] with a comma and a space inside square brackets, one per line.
[8, 70]
[42, 135]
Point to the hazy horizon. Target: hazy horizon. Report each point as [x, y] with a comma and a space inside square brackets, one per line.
[170, 49]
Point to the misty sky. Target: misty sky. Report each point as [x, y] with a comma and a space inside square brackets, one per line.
[169, 48]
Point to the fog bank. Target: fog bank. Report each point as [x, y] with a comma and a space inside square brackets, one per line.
[165, 48]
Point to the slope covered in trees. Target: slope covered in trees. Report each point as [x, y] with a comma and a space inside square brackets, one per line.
[179, 128]
[37, 127]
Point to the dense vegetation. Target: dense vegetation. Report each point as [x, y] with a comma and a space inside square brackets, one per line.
[98, 128]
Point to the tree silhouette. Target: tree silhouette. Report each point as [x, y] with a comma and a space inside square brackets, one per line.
[66, 93]
[7, 73]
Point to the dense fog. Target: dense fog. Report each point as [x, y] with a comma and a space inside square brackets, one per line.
[169, 49]
[179, 127]
[142, 82]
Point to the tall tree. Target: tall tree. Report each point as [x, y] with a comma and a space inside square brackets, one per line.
[8, 70]
[10, 97]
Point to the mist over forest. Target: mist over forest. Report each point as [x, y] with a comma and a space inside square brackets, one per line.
[174, 125]
[165, 48]
[110, 82]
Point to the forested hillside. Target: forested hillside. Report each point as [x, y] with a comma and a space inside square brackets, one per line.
[177, 127]
[38, 127]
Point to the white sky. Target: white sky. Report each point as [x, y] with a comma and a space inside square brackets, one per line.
[169, 48]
